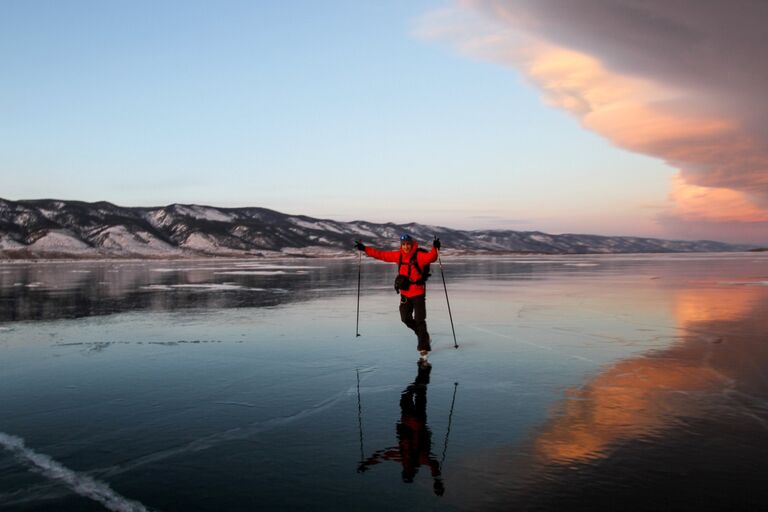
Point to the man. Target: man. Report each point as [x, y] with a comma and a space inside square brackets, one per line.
[410, 283]
[414, 437]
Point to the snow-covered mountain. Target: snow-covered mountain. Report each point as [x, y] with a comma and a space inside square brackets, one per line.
[55, 228]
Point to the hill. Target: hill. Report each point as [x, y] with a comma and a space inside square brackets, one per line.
[50, 228]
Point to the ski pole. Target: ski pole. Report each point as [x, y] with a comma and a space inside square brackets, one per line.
[359, 268]
[360, 417]
[442, 274]
[448, 431]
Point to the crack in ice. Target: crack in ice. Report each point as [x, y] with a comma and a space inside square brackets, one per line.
[81, 484]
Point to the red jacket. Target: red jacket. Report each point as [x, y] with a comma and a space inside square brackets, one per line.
[422, 258]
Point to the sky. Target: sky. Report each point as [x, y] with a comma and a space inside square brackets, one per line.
[565, 116]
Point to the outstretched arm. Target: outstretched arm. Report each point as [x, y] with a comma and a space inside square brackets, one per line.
[390, 256]
[378, 457]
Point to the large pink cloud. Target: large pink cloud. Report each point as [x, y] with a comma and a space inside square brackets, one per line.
[683, 81]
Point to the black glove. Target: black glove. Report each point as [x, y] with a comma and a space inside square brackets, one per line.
[359, 246]
[436, 243]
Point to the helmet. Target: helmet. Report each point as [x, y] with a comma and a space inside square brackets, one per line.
[405, 237]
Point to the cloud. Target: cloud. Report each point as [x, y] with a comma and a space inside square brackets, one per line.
[682, 81]
[701, 212]
[714, 204]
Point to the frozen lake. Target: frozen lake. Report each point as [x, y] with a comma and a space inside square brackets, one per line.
[592, 382]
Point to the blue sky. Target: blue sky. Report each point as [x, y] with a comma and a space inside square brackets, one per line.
[331, 109]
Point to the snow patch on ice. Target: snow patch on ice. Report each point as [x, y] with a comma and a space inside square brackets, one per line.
[208, 286]
[255, 272]
[155, 287]
[237, 268]
[314, 250]
[277, 267]
[201, 287]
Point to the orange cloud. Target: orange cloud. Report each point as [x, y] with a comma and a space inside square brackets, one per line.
[634, 83]
[714, 204]
[629, 111]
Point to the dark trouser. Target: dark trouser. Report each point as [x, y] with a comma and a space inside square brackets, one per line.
[413, 313]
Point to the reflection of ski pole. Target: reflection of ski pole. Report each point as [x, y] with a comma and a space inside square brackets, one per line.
[442, 274]
[448, 431]
[359, 268]
[360, 417]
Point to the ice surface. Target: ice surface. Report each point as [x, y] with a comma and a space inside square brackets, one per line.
[583, 382]
[79, 483]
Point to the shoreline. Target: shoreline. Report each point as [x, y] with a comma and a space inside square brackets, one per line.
[336, 255]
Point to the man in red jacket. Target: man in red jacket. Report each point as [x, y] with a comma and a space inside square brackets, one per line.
[414, 446]
[410, 283]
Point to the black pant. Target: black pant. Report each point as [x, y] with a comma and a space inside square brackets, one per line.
[413, 313]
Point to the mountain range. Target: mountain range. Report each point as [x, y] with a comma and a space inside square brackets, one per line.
[51, 228]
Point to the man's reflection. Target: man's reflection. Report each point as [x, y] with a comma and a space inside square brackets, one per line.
[413, 435]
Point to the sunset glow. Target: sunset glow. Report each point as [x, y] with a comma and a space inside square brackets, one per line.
[634, 98]
[635, 398]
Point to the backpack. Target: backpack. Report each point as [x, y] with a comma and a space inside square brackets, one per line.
[424, 272]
